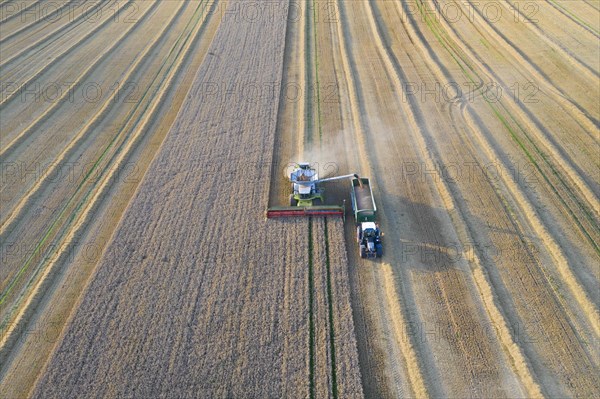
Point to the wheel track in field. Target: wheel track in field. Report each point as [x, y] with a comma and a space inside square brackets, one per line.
[573, 203]
[325, 321]
[311, 71]
[308, 135]
[55, 60]
[425, 142]
[486, 287]
[398, 317]
[592, 4]
[518, 193]
[88, 201]
[43, 42]
[372, 360]
[325, 370]
[65, 96]
[38, 20]
[574, 18]
[303, 110]
[13, 216]
[316, 79]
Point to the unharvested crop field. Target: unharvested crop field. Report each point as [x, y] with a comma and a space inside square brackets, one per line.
[141, 142]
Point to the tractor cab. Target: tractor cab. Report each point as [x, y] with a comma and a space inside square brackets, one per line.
[369, 240]
[370, 230]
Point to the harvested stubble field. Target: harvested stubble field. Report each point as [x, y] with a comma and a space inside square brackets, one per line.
[142, 140]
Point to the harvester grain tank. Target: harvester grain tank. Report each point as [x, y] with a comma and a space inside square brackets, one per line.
[368, 234]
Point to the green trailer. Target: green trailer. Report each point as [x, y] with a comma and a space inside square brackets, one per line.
[368, 235]
[363, 205]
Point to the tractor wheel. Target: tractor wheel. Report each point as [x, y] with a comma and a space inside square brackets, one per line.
[363, 252]
[293, 201]
[379, 249]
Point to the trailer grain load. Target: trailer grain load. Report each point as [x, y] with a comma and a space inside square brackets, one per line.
[363, 205]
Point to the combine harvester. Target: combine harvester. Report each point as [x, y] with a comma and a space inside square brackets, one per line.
[307, 197]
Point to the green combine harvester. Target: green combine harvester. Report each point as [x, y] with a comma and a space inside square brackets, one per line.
[307, 195]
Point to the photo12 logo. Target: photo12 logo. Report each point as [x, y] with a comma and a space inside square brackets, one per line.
[56, 91]
[454, 12]
[27, 12]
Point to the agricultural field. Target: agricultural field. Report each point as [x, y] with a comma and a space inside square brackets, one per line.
[142, 141]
